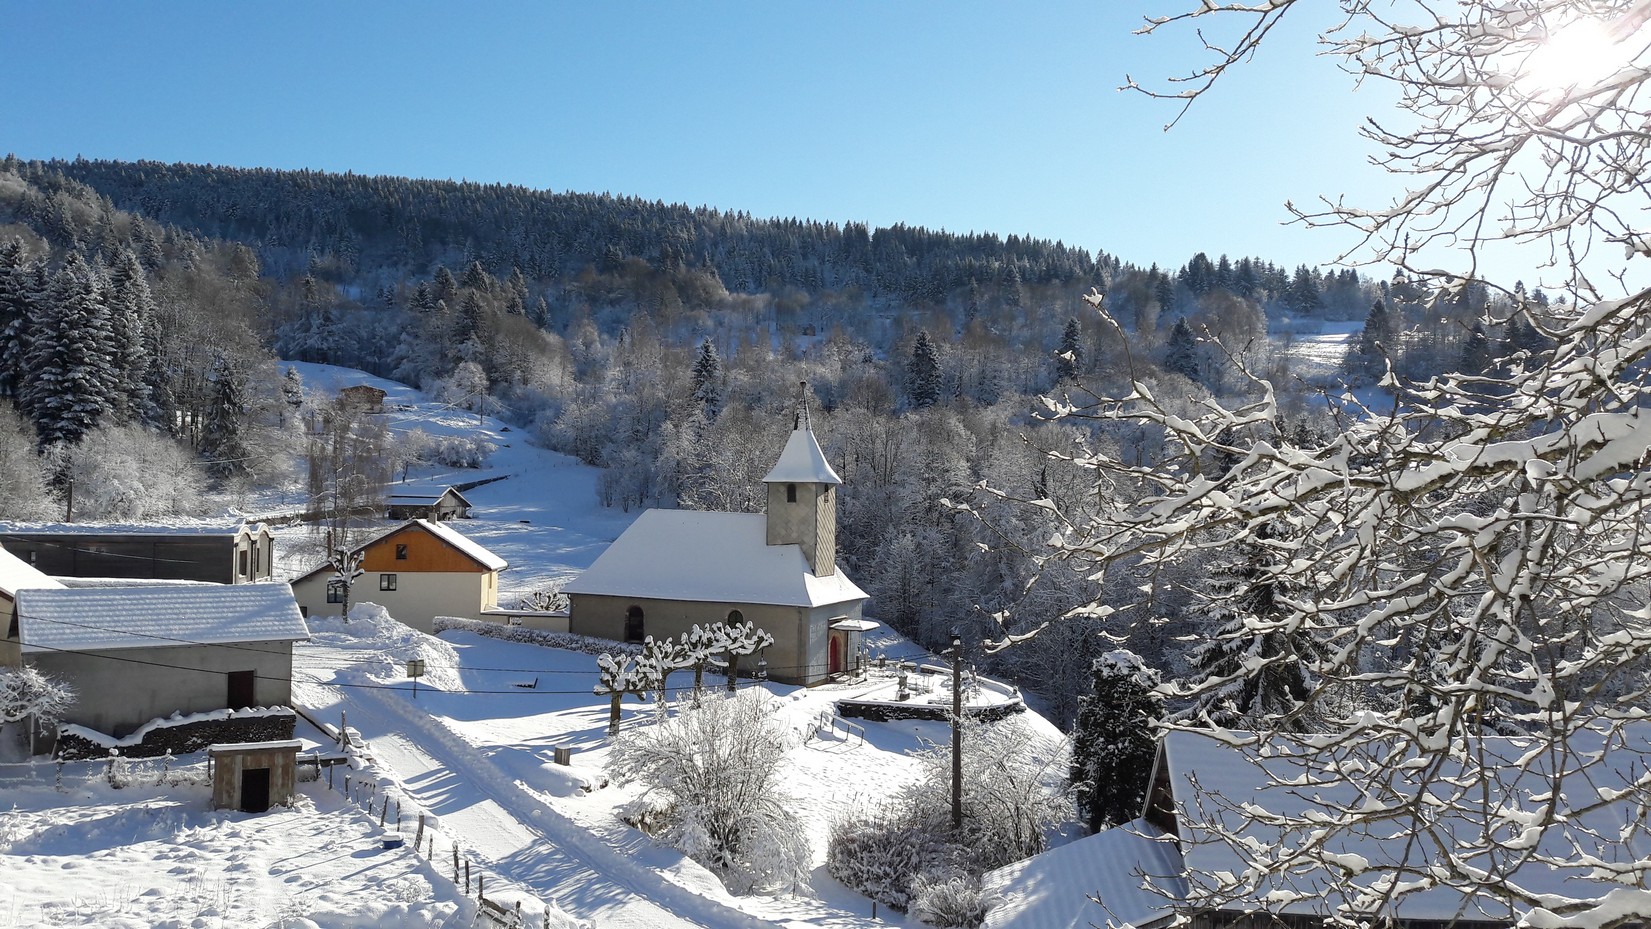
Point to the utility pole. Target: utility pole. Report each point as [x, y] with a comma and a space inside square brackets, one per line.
[957, 732]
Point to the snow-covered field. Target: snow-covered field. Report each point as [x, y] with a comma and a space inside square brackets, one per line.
[473, 751]
[156, 856]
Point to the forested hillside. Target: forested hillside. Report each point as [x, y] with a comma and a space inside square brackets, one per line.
[142, 305]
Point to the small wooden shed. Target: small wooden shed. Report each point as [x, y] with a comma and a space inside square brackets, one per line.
[253, 776]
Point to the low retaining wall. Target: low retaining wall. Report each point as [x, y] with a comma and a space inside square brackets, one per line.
[180, 736]
[882, 712]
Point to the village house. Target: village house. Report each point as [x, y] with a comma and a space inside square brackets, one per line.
[238, 554]
[136, 654]
[418, 570]
[674, 569]
[16, 575]
[432, 503]
[1199, 823]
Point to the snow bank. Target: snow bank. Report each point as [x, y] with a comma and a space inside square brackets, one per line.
[380, 648]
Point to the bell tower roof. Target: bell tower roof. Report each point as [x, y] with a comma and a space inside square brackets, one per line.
[802, 462]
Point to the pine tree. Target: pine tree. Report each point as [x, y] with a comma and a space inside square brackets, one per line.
[1366, 359]
[1303, 295]
[223, 440]
[1181, 352]
[1069, 356]
[923, 372]
[1476, 352]
[1249, 674]
[708, 380]
[69, 357]
[292, 392]
[15, 306]
[1114, 742]
[131, 305]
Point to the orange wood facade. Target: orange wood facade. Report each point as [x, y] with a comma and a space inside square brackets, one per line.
[424, 553]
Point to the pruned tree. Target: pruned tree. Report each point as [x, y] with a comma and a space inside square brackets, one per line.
[1473, 561]
[659, 658]
[619, 676]
[741, 640]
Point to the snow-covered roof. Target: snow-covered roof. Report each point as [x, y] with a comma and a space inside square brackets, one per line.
[1052, 890]
[471, 549]
[423, 496]
[1215, 784]
[138, 529]
[452, 537]
[802, 462]
[708, 556]
[103, 618]
[17, 574]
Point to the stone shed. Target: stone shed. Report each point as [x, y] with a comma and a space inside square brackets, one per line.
[253, 776]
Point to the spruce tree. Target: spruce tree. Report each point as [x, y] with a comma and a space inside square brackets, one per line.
[923, 372]
[1181, 352]
[1366, 359]
[223, 435]
[1476, 352]
[15, 306]
[1114, 740]
[69, 359]
[1069, 356]
[131, 306]
[1250, 675]
[708, 380]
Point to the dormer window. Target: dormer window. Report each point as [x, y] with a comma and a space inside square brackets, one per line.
[791, 493]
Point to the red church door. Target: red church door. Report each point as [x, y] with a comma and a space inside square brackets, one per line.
[836, 655]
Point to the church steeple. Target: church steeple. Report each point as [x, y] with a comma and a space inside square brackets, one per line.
[802, 499]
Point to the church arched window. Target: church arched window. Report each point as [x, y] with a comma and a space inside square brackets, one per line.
[735, 616]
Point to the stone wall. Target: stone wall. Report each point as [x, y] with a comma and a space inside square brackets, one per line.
[75, 743]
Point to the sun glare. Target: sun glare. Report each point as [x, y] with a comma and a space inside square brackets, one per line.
[1578, 54]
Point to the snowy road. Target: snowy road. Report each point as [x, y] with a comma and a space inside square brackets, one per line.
[514, 832]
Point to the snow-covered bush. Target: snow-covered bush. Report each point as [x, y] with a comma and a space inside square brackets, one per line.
[952, 901]
[878, 852]
[455, 451]
[718, 767]
[1010, 800]
[132, 473]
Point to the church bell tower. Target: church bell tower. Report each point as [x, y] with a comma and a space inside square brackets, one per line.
[802, 496]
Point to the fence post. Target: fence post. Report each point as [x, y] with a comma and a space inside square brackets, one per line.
[455, 861]
[418, 838]
[480, 897]
[383, 811]
[398, 814]
[467, 876]
[329, 777]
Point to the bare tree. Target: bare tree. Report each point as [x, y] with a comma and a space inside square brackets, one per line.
[28, 694]
[1472, 564]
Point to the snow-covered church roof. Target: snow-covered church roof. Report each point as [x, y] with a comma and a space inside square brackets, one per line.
[802, 462]
[709, 557]
[104, 618]
[17, 574]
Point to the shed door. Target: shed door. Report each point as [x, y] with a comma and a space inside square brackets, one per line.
[254, 790]
[242, 691]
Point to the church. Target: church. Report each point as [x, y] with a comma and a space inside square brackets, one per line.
[675, 569]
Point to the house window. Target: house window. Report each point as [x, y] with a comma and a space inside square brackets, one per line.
[386, 582]
[633, 625]
[245, 560]
[401, 551]
[335, 591]
[791, 493]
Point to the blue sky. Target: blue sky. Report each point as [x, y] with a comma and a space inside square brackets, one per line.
[964, 116]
